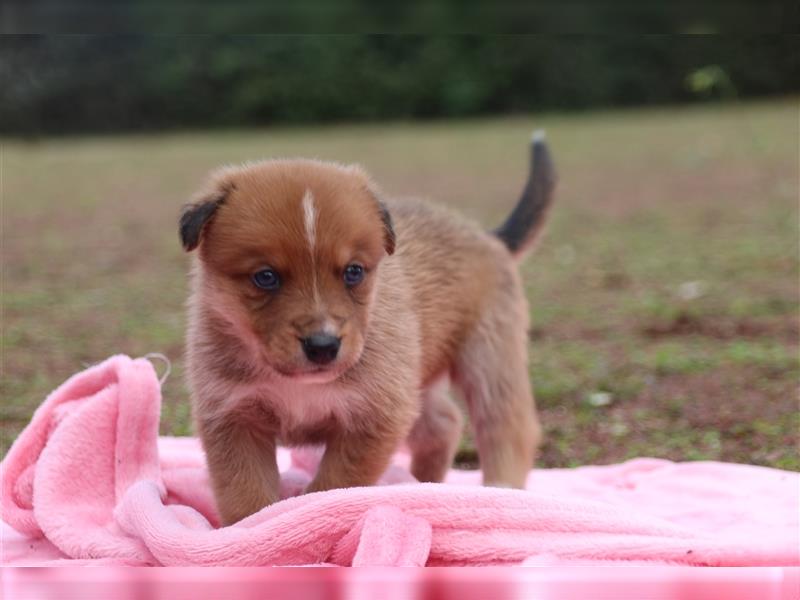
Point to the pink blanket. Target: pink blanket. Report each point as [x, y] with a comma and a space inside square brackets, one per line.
[90, 482]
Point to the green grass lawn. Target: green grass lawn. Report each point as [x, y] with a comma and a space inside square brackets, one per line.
[664, 296]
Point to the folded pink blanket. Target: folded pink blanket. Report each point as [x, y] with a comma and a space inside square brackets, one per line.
[89, 481]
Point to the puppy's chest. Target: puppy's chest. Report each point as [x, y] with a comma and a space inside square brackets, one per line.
[308, 413]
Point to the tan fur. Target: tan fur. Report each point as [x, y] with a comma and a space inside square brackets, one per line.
[446, 305]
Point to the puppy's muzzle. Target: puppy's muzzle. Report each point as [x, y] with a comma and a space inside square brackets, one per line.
[321, 348]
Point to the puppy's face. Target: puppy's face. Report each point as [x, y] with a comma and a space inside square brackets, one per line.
[289, 252]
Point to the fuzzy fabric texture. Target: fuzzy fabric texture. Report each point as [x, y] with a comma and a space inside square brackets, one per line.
[90, 482]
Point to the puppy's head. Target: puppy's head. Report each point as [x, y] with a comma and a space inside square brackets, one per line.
[289, 252]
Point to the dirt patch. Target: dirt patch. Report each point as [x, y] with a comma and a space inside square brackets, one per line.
[722, 415]
[724, 328]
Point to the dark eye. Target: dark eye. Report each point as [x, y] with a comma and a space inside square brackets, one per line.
[353, 274]
[266, 279]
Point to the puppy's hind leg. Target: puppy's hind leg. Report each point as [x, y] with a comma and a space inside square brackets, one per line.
[492, 373]
[434, 438]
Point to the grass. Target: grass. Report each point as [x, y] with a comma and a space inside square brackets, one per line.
[666, 286]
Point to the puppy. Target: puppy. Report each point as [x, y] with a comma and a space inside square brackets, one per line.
[321, 313]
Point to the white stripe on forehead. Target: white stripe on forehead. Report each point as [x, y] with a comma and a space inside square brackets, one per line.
[310, 219]
[310, 214]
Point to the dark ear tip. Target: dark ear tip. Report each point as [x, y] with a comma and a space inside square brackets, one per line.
[390, 239]
[193, 221]
[189, 238]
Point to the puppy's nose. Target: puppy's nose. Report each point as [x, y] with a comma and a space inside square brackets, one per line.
[321, 348]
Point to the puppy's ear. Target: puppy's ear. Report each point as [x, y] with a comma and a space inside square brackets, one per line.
[195, 216]
[389, 238]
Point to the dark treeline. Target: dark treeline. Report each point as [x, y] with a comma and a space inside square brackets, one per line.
[129, 83]
[168, 17]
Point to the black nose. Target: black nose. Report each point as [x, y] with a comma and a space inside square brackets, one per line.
[321, 348]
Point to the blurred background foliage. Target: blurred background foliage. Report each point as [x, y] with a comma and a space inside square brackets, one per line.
[71, 84]
[420, 16]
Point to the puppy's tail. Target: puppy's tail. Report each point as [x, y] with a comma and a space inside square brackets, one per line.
[522, 227]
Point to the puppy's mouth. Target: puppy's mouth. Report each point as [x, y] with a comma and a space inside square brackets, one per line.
[301, 370]
[312, 374]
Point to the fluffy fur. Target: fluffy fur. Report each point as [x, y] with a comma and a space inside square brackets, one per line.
[441, 302]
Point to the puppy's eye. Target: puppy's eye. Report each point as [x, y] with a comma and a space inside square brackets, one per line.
[353, 274]
[266, 279]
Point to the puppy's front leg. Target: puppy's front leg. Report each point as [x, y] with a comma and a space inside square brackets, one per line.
[242, 465]
[354, 459]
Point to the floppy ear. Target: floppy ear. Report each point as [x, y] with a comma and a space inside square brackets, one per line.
[195, 217]
[389, 238]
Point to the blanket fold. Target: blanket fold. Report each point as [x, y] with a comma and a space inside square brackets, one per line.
[90, 481]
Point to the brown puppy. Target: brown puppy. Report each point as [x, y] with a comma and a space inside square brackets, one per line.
[320, 313]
